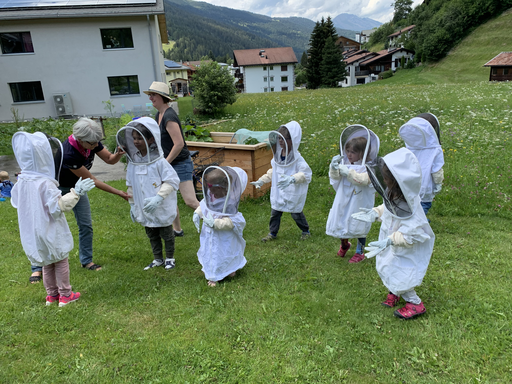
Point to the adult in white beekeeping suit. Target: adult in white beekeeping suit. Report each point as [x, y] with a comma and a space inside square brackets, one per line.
[406, 240]
[152, 183]
[422, 136]
[222, 246]
[44, 231]
[347, 173]
[290, 176]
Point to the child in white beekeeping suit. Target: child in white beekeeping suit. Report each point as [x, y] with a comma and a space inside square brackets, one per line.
[406, 240]
[290, 176]
[222, 246]
[152, 182]
[44, 231]
[347, 174]
[422, 137]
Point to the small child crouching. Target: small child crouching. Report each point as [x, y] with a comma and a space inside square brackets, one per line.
[222, 246]
[44, 231]
[152, 182]
[5, 185]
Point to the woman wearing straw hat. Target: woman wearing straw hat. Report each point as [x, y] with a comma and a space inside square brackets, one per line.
[174, 146]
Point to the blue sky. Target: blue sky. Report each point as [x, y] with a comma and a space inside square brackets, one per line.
[380, 10]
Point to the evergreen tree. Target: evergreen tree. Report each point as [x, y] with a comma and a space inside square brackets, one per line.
[214, 87]
[402, 10]
[211, 55]
[330, 29]
[304, 59]
[332, 67]
[316, 45]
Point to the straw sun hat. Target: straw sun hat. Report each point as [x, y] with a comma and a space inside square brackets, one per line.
[160, 88]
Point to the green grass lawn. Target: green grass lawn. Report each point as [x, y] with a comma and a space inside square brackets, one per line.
[296, 313]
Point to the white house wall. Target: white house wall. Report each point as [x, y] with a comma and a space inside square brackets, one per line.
[398, 56]
[69, 57]
[254, 78]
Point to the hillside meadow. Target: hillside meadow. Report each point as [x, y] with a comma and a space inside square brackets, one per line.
[296, 312]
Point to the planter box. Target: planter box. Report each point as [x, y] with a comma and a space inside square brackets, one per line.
[253, 159]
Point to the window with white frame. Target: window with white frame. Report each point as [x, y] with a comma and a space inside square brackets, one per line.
[265, 89]
[26, 91]
[271, 78]
[284, 79]
[284, 67]
[116, 38]
[272, 89]
[265, 79]
[264, 68]
[16, 42]
[284, 88]
[124, 85]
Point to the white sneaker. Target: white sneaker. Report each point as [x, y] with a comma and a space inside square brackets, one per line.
[154, 263]
[170, 264]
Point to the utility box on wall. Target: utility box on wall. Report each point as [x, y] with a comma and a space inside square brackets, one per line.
[63, 105]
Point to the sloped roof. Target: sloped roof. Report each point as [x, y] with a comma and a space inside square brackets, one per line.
[359, 56]
[382, 54]
[504, 59]
[169, 64]
[264, 56]
[398, 33]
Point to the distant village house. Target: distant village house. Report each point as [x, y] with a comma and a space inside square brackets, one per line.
[396, 39]
[346, 44]
[264, 70]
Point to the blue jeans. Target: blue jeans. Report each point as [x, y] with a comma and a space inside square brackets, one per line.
[82, 211]
[35, 268]
[426, 206]
[361, 242]
[184, 169]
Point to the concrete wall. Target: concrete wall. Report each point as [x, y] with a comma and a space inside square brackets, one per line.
[254, 78]
[69, 57]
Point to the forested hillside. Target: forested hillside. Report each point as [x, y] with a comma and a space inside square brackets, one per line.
[198, 28]
[439, 24]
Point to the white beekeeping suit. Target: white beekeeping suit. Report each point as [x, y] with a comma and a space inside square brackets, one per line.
[222, 244]
[149, 175]
[293, 197]
[353, 191]
[403, 265]
[44, 231]
[421, 137]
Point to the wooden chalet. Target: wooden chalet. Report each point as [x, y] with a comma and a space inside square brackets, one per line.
[501, 67]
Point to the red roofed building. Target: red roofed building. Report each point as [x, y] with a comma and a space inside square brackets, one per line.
[395, 39]
[501, 67]
[264, 70]
[356, 75]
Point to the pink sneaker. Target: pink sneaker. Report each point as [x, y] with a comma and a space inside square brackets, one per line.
[63, 300]
[410, 311]
[52, 299]
[391, 301]
[358, 257]
[343, 251]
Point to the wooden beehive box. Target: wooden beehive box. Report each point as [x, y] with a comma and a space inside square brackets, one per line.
[253, 159]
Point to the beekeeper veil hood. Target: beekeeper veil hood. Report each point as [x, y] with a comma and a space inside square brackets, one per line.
[223, 188]
[140, 139]
[34, 155]
[421, 132]
[397, 178]
[285, 143]
[361, 139]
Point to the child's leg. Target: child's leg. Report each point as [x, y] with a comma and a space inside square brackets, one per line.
[62, 276]
[361, 242]
[301, 221]
[50, 280]
[275, 222]
[156, 242]
[426, 206]
[167, 234]
[413, 306]
[345, 244]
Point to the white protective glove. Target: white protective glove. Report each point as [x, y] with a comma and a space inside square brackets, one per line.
[376, 247]
[151, 203]
[84, 186]
[335, 162]
[209, 220]
[365, 214]
[197, 221]
[343, 170]
[132, 212]
[257, 183]
[285, 181]
[437, 188]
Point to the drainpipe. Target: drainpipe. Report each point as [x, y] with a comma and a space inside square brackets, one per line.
[152, 49]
